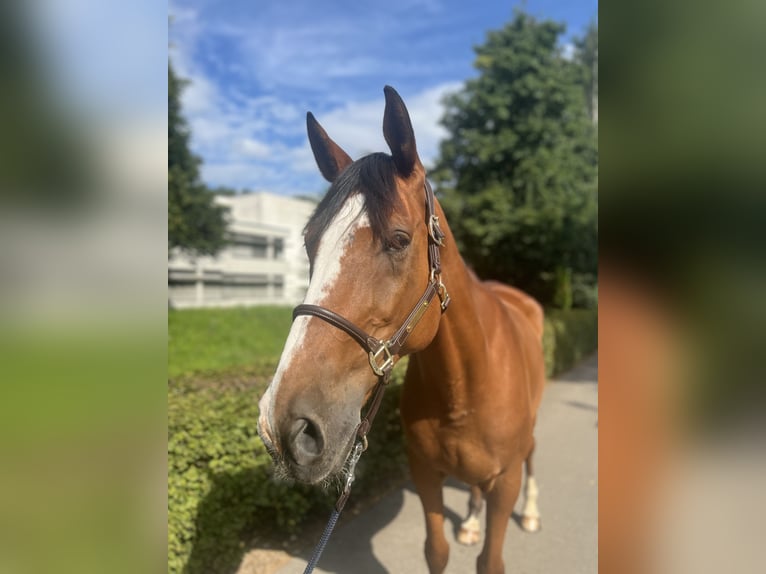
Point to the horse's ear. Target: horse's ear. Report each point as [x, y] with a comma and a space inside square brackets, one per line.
[330, 158]
[398, 132]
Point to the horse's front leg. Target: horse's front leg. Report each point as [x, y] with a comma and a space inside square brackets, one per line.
[500, 501]
[428, 483]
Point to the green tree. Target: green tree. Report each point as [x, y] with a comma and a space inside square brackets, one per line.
[44, 152]
[518, 174]
[195, 223]
[586, 54]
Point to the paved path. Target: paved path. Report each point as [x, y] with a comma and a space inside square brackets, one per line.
[388, 538]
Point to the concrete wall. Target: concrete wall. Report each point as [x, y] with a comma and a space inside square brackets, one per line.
[266, 264]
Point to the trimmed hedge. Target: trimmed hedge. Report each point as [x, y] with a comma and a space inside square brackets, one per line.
[218, 479]
[568, 337]
[220, 494]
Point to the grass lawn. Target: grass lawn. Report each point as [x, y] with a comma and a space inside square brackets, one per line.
[250, 339]
[214, 340]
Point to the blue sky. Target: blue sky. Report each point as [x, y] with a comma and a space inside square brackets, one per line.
[256, 68]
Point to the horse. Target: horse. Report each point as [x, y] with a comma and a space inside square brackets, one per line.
[476, 372]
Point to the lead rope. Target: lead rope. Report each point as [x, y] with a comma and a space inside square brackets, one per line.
[359, 448]
[356, 454]
[322, 542]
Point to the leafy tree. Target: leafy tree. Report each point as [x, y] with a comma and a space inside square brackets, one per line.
[44, 152]
[518, 174]
[586, 54]
[224, 191]
[195, 223]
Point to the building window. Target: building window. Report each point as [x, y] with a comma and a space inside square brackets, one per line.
[260, 248]
[279, 248]
[245, 286]
[245, 246]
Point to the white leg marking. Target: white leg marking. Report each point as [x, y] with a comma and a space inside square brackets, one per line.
[530, 520]
[331, 249]
[470, 530]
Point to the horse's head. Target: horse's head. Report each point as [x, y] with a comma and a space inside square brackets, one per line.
[368, 248]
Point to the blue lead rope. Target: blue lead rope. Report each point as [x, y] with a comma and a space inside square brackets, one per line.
[322, 542]
[357, 451]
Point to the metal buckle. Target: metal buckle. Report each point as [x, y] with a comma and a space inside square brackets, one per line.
[435, 231]
[388, 362]
[443, 295]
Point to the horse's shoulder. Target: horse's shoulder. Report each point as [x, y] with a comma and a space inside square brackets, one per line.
[519, 303]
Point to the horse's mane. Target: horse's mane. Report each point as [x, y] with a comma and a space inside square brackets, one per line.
[373, 177]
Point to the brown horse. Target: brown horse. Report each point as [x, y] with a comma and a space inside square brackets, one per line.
[475, 376]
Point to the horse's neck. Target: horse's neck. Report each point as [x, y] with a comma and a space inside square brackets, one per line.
[447, 364]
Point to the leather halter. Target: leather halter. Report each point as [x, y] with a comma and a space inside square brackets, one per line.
[383, 353]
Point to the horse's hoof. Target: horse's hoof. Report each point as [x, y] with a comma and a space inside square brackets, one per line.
[468, 536]
[531, 523]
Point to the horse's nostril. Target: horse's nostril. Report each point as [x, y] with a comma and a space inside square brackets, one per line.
[306, 441]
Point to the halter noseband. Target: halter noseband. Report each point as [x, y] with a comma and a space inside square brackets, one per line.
[382, 353]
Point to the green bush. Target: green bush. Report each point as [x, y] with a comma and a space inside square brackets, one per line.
[569, 336]
[220, 491]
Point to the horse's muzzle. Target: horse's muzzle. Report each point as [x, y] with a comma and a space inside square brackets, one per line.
[262, 428]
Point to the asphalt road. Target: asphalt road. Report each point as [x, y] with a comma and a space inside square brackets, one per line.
[388, 538]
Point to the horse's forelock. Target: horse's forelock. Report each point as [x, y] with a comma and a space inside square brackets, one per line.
[374, 177]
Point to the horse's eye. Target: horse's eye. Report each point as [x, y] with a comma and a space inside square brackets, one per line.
[398, 241]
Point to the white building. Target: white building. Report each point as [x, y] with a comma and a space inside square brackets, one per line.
[265, 262]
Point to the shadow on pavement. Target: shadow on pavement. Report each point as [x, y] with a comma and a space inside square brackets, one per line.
[585, 372]
[344, 553]
[581, 405]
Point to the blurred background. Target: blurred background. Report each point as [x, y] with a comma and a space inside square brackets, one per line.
[681, 277]
[87, 347]
[82, 288]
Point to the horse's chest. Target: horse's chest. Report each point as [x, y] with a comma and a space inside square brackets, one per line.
[457, 452]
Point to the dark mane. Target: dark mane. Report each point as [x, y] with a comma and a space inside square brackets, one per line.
[373, 177]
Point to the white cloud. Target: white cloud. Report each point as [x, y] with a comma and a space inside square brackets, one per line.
[236, 157]
[249, 128]
[426, 111]
[568, 51]
[199, 95]
[301, 56]
[253, 148]
[357, 126]
[234, 154]
[209, 131]
[302, 159]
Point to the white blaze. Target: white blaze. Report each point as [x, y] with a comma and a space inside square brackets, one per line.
[326, 268]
